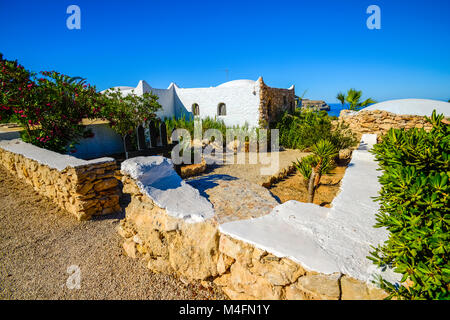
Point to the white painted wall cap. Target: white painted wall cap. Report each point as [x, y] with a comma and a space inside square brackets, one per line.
[420, 107]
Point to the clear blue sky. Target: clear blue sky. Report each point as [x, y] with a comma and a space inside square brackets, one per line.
[323, 46]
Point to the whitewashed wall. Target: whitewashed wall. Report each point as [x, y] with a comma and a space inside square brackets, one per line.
[241, 97]
[242, 102]
[166, 98]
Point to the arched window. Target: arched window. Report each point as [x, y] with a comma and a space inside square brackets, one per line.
[221, 109]
[195, 109]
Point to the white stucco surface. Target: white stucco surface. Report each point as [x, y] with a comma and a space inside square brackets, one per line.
[326, 240]
[156, 177]
[418, 107]
[46, 157]
[241, 98]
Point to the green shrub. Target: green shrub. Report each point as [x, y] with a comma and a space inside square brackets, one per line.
[303, 129]
[50, 107]
[414, 207]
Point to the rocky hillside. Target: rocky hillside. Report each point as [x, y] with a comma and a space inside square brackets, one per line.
[315, 104]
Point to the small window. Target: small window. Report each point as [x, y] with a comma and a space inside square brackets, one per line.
[195, 109]
[285, 101]
[221, 109]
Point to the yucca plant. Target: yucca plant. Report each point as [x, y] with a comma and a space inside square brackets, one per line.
[314, 166]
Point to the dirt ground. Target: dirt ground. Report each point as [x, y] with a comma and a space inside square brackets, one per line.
[39, 242]
[252, 172]
[293, 187]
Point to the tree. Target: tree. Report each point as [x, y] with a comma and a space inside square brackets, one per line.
[126, 112]
[353, 98]
[314, 166]
[341, 97]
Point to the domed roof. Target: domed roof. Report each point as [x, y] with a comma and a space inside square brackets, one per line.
[419, 107]
[237, 83]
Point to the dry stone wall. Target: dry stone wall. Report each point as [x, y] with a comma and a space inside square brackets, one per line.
[82, 190]
[198, 251]
[273, 102]
[379, 122]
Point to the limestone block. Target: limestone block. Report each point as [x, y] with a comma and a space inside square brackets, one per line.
[223, 263]
[130, 248]
[345, 154]
[159, 265]
[243, 281]
[320, 286]
[292, 292]
[106, 184]
[233, 295]
[235, 249]
[193, 251]
[124, 231]
[353, 289]
[281, 272]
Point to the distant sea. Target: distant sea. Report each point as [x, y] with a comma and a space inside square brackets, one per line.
[335, 109]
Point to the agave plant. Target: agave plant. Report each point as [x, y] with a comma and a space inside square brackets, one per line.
[314, 166]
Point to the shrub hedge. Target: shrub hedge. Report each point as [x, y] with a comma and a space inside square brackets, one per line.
[414, 207]
[303, 129]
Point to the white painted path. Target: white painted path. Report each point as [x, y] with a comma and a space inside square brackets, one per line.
[326, 240]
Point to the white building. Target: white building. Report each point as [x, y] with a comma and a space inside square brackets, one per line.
[235, 102]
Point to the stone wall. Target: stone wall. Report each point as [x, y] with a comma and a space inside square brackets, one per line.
[198, 251]
[168, 244]
[273, 102]
[83, 190]
[379, 122]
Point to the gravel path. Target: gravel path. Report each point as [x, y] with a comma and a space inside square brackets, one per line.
[39, 241]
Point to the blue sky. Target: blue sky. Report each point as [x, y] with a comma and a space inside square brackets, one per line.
[321, 46]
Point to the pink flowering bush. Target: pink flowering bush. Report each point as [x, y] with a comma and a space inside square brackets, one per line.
[50, 106]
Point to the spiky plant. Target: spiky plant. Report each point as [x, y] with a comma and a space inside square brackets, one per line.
[314, 166]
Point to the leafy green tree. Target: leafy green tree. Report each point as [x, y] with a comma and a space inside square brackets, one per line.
[126, 112]
[312, 167]
[353, 98]
[414, 207]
